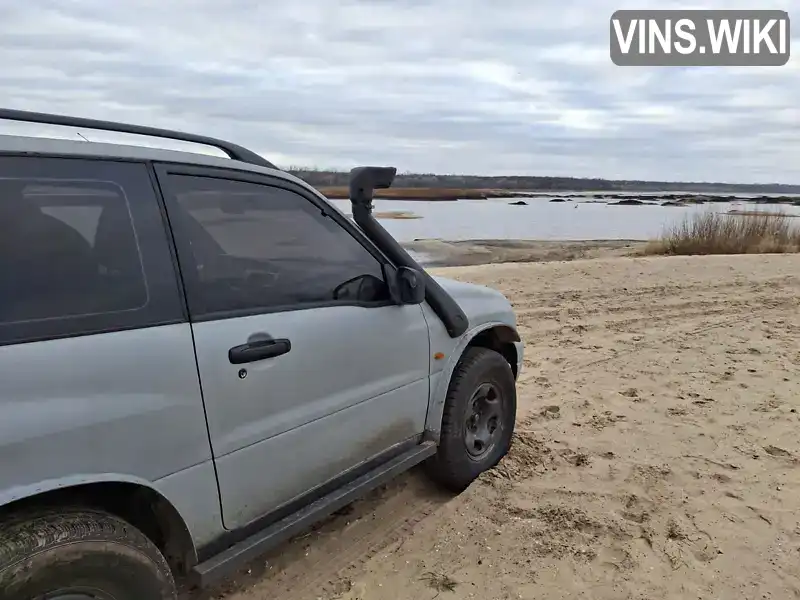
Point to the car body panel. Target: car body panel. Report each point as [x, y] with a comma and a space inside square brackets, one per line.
[194, 495]
[302, 418]
[486, 309]
[123, 402]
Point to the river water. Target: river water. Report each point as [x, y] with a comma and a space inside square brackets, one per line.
[541, 219]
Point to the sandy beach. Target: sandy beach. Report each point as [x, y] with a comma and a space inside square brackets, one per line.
[656, 453]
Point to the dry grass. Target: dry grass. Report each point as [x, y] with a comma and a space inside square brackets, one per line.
[719, 233]
[752, 213]
[439, 582]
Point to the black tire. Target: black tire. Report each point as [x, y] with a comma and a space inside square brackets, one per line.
[88, 553]
[459, 460]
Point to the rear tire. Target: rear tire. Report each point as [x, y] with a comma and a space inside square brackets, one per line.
[478, 420]
[80, 554]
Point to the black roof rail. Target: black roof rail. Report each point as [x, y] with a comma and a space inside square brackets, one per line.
[234, 151]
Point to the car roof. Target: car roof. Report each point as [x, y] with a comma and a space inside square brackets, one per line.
[17, 144]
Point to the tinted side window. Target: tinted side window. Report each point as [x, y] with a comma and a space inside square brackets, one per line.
[247, 246]
[76, 237]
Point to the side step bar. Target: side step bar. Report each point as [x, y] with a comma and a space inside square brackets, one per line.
[225, 563]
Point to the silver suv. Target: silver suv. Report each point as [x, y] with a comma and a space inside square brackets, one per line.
[200, 357]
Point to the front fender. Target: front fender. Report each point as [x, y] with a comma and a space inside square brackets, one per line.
[441, 380]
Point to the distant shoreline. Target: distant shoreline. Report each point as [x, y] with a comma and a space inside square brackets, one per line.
[549, 184]
[421, 194]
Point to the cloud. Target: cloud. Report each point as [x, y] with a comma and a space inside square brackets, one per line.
[467, 86]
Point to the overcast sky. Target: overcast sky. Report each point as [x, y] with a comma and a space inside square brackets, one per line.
[449, 86]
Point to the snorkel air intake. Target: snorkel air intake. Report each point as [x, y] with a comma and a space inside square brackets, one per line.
[363, 183]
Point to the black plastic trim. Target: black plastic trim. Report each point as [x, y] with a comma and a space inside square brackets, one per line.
[235, 536]
[234, 151]
[505, 333]
[225, 555]
[267, 310]
[173, 252]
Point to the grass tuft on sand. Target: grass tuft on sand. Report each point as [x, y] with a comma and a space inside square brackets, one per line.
[712, 232]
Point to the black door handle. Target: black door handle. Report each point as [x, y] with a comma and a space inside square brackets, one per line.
[258, 350]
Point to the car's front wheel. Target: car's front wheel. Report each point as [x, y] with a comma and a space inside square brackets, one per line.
[478, 419]
[80, 555]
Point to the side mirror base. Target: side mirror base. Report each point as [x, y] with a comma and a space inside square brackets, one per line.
[411, 285]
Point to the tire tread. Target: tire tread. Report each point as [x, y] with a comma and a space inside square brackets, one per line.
[29, 533]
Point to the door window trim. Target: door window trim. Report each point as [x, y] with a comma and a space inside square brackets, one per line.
[164, 170]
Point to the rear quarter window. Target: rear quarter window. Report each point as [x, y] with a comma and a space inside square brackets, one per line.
[83, 249]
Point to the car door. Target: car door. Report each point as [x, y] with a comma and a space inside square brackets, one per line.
[308, 368]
